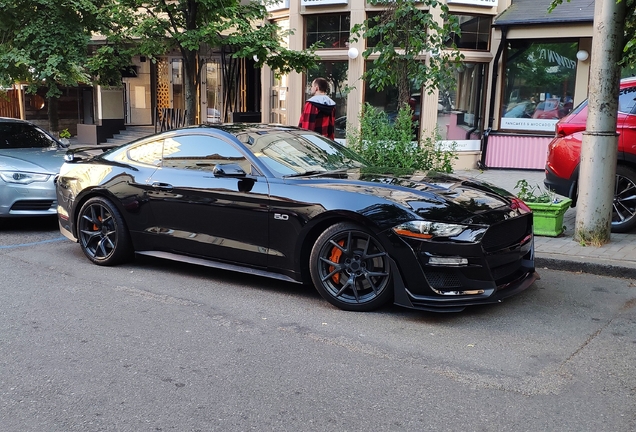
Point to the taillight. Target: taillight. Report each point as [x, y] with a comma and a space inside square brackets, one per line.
[517, 203]
[558, 131]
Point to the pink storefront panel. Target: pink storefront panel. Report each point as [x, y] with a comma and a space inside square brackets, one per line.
[517, 151]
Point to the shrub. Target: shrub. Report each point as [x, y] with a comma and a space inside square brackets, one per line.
[390, 145]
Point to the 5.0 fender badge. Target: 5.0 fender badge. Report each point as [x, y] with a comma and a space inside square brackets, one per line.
[281, 216]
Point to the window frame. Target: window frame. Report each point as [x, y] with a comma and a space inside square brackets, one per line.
[343, 46]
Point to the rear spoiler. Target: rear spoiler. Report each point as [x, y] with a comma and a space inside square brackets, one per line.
[84, 153]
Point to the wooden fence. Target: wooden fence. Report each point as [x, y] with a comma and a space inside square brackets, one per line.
[172, 118]
[9, 104]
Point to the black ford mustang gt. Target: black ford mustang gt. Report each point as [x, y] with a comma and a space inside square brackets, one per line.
[287, 203]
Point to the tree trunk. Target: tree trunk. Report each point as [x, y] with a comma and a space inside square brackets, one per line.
[597, 175]
[191, 81]
[54, 120]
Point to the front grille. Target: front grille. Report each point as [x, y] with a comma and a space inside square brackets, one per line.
[507, 233]
[32, 205]
[443, 280]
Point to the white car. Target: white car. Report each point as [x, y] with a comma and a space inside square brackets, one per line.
[30, 158]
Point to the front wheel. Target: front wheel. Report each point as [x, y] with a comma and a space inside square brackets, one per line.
[102, 233]
[624, 205]
[351, 269]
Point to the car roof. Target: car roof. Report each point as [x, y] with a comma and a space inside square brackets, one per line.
[234, 128]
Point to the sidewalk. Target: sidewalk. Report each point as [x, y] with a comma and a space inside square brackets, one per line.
[617, 258]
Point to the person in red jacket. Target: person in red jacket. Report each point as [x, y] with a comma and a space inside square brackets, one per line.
[319, 112]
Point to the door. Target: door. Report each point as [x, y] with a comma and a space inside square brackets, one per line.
[212, 94]
[137, 100]
[198, 213]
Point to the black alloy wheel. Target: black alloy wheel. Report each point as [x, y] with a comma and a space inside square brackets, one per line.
[351, 269]
[624, 205]
[102, 233]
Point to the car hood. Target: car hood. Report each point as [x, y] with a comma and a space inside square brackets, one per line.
[433, 196]
[40, 160]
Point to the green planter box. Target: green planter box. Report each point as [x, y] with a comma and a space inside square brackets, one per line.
[548, 217]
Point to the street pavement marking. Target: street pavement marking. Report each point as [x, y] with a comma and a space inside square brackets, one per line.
[32, 244]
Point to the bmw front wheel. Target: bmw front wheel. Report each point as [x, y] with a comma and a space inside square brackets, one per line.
[351, 269]
[102, 233]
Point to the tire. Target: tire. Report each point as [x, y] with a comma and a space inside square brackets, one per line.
[350, 268]
[102, 233]
[624, 206]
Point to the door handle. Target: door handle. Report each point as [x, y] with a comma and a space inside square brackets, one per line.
[163, 186]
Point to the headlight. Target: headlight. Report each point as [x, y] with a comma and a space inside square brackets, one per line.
[21, 177]
[428, 230]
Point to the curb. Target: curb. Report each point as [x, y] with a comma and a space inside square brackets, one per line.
[595, 268]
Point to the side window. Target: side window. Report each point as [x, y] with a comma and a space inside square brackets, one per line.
[627, 100]
[201, 153]
[22, 135]
[147, 153]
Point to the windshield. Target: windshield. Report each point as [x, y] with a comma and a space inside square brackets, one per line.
[23, 135]
[287, 154]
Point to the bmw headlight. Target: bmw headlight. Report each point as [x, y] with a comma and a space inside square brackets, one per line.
[428, 230]
[21, 177]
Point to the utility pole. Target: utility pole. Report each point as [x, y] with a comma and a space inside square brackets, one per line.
[597, 175]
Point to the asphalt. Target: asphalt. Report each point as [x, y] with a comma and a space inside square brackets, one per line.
[616, 258]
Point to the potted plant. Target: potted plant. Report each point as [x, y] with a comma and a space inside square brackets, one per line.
[547, 208]
[64, 137]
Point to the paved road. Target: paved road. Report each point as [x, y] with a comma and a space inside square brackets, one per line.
[157, 346]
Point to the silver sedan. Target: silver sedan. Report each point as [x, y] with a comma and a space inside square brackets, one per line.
[30, 158]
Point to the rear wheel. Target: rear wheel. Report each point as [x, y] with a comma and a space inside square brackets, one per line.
[102, 233]
[624, 206]
[351, 269]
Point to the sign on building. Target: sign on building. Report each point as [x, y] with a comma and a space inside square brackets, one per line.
[322, 2]
[280, 4]
[488, 3]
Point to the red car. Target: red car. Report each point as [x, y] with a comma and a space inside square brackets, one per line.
[564, 153]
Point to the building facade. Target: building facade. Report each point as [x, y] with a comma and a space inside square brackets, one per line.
[523, 69]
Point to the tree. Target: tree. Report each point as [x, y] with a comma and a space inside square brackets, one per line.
[400, 36]
[43, 43]
[154, 27]
[599, 142]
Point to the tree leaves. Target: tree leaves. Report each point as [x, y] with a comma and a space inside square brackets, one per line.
[403, 36]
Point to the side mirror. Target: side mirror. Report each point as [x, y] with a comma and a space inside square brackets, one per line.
[229, 170]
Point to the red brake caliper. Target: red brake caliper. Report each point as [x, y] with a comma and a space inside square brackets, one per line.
[336, 253]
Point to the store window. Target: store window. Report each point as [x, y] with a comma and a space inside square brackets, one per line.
[460, 108]
[329, 30]
[539, 84]
[387, 99]
[336, 73]
[373, 19]
[475, 33]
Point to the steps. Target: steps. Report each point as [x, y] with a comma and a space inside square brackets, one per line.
[131, 133]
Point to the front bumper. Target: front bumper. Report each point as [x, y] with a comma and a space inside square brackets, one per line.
[497, 267]
[566, 187]
[35, 199]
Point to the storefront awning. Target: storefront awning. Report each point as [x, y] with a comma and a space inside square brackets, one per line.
[528, 12]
